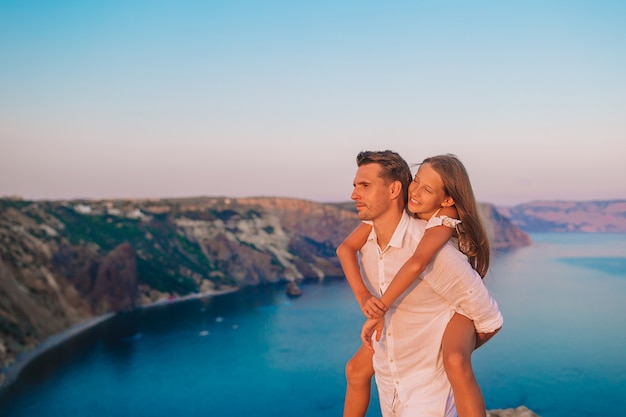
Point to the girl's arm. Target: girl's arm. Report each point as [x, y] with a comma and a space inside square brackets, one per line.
[434, 238]
[346, 252]
[482, 338]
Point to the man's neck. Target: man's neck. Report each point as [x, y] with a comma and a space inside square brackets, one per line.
[385, 226]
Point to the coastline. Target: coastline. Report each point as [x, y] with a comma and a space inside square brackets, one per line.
[11, 373]
[171, 300]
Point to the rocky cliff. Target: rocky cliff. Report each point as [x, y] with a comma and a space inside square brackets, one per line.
[569, 216]
[502, 233]
[64, 262]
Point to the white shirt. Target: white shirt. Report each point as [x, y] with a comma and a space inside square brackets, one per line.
[408, 360]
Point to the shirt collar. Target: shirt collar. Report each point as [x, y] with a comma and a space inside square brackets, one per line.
[372, 235]
[398, 235]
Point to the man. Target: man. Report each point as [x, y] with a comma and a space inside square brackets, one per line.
[408, 363]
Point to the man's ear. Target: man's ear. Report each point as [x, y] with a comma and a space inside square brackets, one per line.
[395, 189]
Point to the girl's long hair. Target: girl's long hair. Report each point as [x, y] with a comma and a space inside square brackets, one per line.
[472, 235]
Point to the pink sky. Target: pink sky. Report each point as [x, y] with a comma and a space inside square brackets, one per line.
[140, 101]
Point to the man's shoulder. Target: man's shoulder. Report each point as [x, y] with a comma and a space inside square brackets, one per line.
[414, 232]
[416, 225]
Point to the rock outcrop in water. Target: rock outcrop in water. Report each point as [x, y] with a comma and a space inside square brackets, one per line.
[64, 262]
[520, 411]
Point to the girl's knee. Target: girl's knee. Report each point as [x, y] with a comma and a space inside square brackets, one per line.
[455, 361]
[356, 372]
[350, 368]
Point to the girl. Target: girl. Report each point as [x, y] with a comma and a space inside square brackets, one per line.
[442, 194]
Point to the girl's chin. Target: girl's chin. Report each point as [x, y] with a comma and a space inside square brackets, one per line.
[412, 208]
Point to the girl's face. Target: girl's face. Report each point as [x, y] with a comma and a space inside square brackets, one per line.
[426, 193]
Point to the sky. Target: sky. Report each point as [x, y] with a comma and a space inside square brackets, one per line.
[157, 99]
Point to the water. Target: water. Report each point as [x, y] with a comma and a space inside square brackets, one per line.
[258, 353]
[562, 350]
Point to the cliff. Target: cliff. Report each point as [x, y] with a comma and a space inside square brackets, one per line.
[62, 263]
[502, 233]
[569, 216]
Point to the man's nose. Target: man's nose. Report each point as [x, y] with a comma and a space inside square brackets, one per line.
[354, 195]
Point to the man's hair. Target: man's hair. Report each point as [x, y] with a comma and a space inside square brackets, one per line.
[393, 167]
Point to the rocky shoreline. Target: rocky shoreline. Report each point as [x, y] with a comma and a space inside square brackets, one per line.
[9, 374]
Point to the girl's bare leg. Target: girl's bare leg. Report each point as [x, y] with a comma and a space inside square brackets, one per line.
[359, 373]
[459, 341]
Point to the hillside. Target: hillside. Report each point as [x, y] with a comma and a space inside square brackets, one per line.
[65, 262]
[569, 216]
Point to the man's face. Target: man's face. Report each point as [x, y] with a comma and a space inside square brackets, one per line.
[371, 193]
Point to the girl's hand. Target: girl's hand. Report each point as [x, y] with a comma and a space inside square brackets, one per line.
[373, 308]
[371, 327]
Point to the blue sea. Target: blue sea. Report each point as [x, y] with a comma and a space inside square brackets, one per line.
[256, 352]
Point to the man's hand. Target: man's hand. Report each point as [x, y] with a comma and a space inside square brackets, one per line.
[371, 327]
[373, 308]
